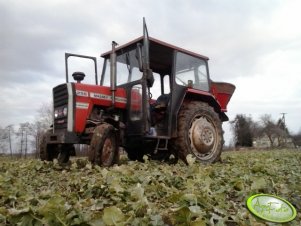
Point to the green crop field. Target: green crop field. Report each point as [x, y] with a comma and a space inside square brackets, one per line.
[33, 192]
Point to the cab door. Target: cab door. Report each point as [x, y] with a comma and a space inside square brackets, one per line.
[138, 109]
[139, 120]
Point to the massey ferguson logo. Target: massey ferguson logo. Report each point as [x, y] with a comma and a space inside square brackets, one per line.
[100, 96]
[107, 97]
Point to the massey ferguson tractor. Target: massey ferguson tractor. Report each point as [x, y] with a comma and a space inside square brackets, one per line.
[152, 99]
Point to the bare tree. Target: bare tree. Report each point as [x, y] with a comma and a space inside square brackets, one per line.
[45, 116]
[36, 130]
[10, 129]
[3, 140]
[29, 134]
[269, 128]
[277, 133]
[6, 139]
[41, 124]
[23, 134]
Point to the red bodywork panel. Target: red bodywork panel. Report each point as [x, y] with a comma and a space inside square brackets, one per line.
[220, 91]
[86, 96]
[223, 92]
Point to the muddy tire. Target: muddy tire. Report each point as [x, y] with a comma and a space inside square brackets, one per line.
[104, 150]
[48, 152]
[199, 133]
[65, 152]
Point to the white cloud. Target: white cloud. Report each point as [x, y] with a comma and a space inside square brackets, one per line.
[275, 85]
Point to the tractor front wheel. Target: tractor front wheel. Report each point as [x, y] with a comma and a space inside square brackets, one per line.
[199, 133]
[48, 152]
[65, 152]
[104, 150]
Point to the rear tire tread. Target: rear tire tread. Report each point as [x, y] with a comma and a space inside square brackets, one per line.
[181, 144]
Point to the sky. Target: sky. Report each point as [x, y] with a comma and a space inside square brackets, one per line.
[254, 44]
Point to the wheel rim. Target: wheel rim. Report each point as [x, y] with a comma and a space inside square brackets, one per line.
[203, 137]
[107, 152]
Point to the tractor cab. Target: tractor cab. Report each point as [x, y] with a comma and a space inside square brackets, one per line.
[176, 74]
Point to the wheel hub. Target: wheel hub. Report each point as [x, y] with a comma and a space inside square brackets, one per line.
[202, 136]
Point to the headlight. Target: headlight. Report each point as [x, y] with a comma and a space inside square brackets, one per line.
[65, 111]
[60, 112]
[56, 113]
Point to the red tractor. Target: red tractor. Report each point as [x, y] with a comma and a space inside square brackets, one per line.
[154, 99]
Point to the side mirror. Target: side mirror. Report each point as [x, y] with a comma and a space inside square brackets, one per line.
[139, 56]
[149, 77]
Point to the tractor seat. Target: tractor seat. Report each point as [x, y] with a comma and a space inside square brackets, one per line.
[161, 102]
[158, 109]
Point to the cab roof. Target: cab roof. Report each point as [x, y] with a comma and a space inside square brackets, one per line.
[160, 53]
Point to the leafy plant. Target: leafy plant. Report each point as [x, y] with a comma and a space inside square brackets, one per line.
[39, 193]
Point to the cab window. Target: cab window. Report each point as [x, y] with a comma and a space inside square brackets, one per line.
[127, 69]
[191, 71]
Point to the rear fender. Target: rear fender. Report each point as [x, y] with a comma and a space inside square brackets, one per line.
[186, 95]
[198, 95]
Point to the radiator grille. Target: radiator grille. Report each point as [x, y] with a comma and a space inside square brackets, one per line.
[60, 100]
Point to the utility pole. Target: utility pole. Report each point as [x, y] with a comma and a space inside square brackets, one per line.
[9, 139]
[21, 151]
[23, 131]
[283, 118]
[284, 127]
[25, 143]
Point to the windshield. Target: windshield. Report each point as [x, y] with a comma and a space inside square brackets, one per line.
[191, 71]
[127, 69]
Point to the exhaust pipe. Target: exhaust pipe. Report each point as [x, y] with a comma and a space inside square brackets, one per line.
[113, 71]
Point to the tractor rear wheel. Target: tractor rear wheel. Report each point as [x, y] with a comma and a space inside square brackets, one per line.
[199, 133]
[104, 150]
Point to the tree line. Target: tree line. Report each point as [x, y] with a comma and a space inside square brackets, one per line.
[250, 133]
[24, 138]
